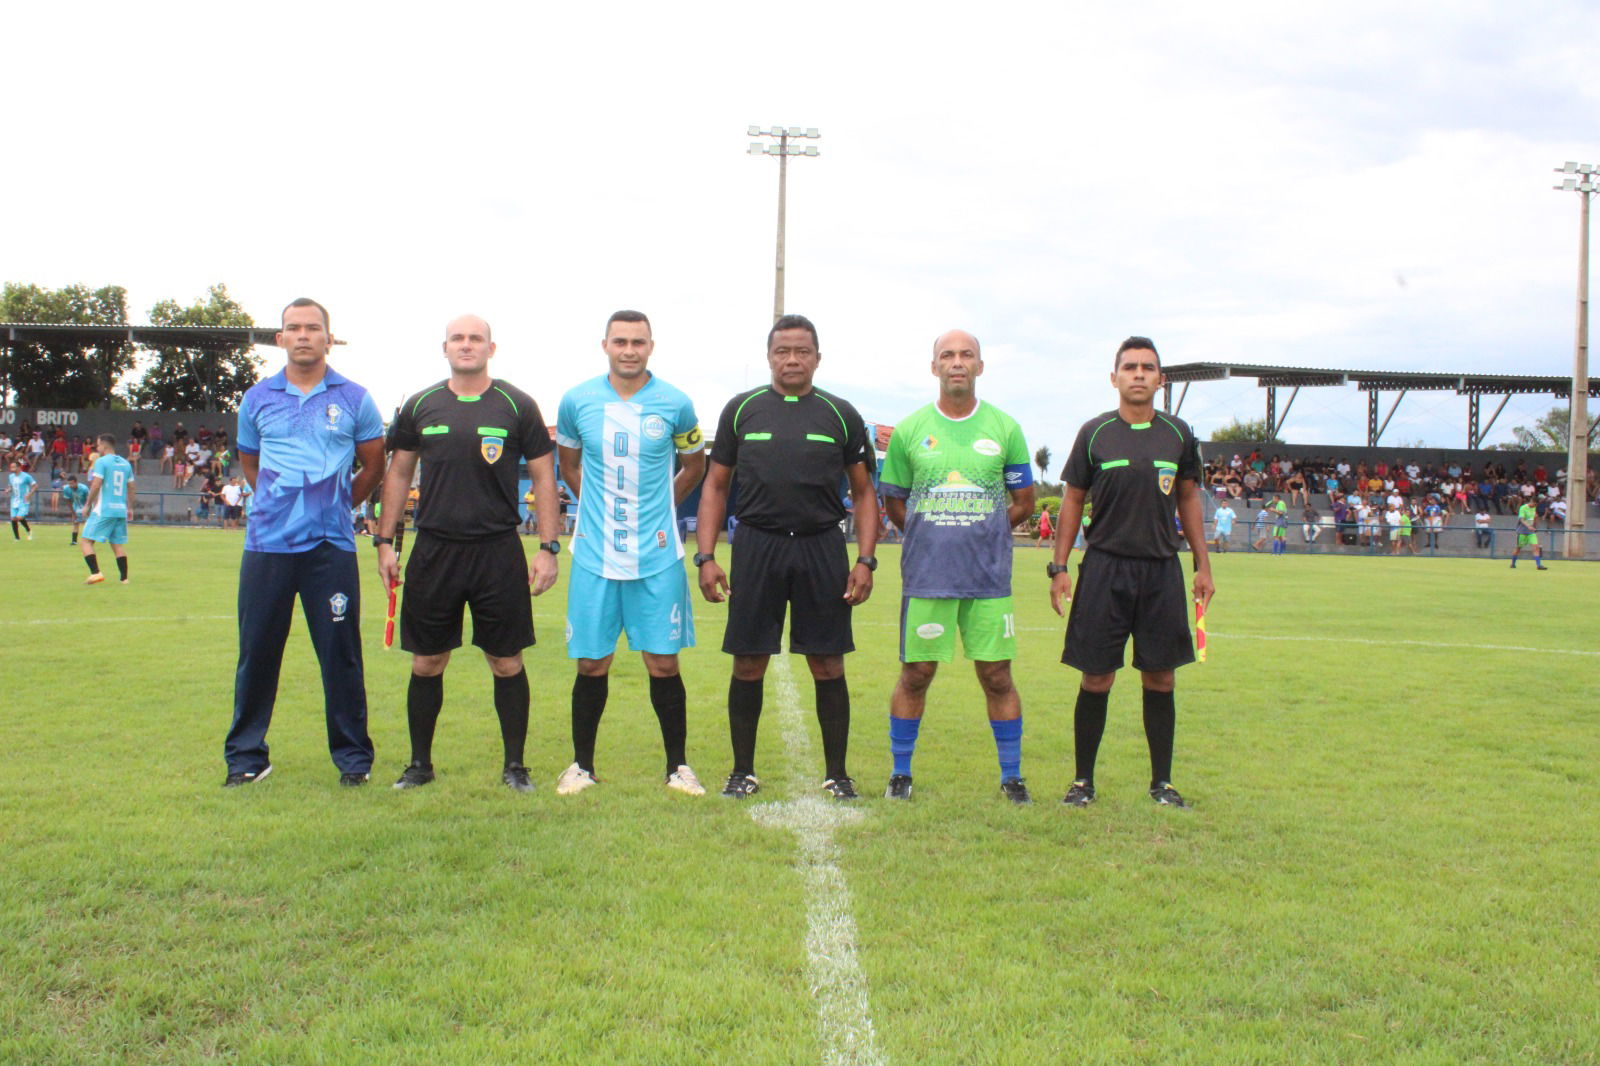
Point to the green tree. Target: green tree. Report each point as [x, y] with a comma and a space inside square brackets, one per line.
[1550, 432]
[1254, 431]
[64, 373]
[198, 379]
[1041, 459]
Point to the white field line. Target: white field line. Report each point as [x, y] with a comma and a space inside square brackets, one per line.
[141, 619]
[1230, 635]
[837, 982]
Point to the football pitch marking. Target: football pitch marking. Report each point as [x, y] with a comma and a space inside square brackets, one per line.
[832, 969]
[141, 619]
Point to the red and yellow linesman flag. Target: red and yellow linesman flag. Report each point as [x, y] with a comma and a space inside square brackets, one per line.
[388, 622]
[1200, 630]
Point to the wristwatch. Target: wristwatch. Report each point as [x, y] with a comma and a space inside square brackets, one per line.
[702, 558]
[551, 546]
[1055, 568]
[868, 561]
[380, 541]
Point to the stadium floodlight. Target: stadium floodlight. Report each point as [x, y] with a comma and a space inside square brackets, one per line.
[783, 150]
[1578, 437]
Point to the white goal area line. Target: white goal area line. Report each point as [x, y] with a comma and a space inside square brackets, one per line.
[838, 985]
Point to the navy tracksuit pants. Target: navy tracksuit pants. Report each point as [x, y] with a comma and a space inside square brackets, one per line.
[326, 580]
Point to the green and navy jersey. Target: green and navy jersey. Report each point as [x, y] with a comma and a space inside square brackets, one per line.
[473, 450]
[306, 442]
[115, 474]
[789, 455]
[75, 495]
[956, 476]
[1131, 470]
[627, 518]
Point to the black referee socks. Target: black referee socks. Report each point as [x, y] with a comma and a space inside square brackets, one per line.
[424, 698]
[671, 706]
[1088, 726]
[588, 704]
[1160, 725]
[744, 716]
[511, 704]
[833, 715]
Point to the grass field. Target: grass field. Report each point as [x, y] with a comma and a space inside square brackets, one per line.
[1391, 856]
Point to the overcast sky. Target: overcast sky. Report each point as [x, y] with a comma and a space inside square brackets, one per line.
[1357, 184]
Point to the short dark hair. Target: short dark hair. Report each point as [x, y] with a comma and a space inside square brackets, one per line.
[109, 439]
[794, 322]
[1144, 344]
[306, 301]
[72, 477]
[629, 316]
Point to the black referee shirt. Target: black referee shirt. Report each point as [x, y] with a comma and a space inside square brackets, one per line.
[472, 449]
[1131, 473]
[789, 455]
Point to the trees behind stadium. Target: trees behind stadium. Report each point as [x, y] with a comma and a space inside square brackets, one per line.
[107, 374]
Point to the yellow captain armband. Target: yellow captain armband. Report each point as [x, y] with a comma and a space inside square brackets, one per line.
[690, 441]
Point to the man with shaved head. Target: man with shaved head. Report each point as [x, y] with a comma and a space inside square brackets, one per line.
[473, 433]
[956, 478]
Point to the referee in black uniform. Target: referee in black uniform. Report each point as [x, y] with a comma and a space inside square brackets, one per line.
[473, 433]
[1141, 467]
[791, 446]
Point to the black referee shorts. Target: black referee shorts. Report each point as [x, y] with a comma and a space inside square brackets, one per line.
[774, 572]
[1118, 596]
[489, 575]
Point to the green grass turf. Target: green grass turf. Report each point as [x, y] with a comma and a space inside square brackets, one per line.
[1390, 857]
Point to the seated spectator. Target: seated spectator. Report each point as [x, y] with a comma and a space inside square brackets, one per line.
[1483, 527]
[1311, 523]
[1296, 484]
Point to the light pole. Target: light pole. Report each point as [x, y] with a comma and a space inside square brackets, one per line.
[1581, 180]
[783, 150]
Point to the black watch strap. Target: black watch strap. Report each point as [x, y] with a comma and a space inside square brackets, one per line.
[702, 558]
[378, 541]
[1055, 568]
[551, 546]
[868, 561]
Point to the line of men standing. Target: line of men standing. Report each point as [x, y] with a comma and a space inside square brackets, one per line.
[956, 479]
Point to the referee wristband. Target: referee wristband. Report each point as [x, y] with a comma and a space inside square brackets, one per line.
[378, 542]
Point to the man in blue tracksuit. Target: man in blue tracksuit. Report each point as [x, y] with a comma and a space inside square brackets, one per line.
[299, 431]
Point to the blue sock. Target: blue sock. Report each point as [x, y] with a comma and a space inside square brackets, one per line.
[903, 741]
[1008, 742]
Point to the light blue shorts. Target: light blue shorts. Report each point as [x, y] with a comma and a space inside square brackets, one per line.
[101, 529]
[20, 511]
[655, 611]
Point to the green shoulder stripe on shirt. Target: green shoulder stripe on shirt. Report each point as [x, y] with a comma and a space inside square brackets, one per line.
[1163, 464]
[1170, 424]
[509, 400]
[429, 431]
[824, 438]
[491, 431]
[424, 396]
[1089, 449]
[1109, 463]
[740, 409]
[836, 411]
[758, 436]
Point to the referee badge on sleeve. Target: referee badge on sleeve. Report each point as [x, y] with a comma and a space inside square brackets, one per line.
[490, 448]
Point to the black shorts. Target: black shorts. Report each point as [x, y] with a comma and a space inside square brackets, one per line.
[1117, 596]
[807, 575]
[442, 576]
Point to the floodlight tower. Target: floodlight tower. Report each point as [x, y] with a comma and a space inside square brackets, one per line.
[1583, 179]
[783, 150]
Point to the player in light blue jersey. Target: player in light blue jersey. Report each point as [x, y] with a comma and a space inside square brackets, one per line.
[109, 505]
[619, 435]
[76, 493]
[23, 487]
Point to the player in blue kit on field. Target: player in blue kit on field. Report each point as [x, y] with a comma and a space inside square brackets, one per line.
[299, 433]
[619, 435]
[76, 494]
[23, 487]
[110, 502]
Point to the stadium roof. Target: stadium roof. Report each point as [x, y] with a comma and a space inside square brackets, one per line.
[1372, 382]
[17, 334]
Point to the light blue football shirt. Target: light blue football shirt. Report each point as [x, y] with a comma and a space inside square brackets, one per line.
[627, 520]
[115, 475]
[76, 497]
[307, 445]
[19, 493]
